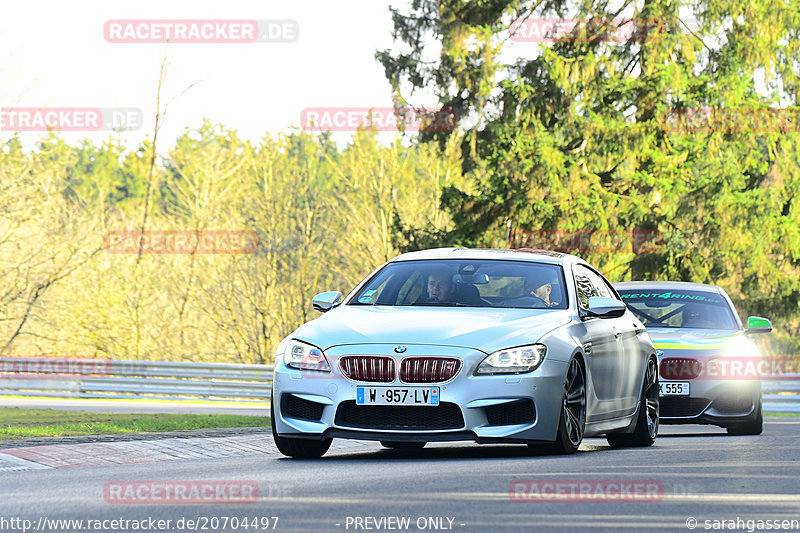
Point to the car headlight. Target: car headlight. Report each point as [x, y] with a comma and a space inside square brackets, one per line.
[305, 356]
[517, 360]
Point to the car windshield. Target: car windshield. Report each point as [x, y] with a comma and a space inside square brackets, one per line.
[679, 308]
[466, 283]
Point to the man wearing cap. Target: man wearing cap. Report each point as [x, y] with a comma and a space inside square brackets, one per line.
[539, 286]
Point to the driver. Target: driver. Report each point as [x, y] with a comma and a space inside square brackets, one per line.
[441, 288]
[695, 317]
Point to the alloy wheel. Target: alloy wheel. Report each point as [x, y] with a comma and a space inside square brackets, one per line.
[574, 407]
[651, 396]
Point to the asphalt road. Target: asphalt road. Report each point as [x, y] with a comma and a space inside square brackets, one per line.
[699, 472]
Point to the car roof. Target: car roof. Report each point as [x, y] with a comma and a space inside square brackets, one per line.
[523, 254]
[649, 285]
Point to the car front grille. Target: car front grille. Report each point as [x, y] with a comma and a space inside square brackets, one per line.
[677, 368]
[676, 406]
[399, 417]
[294, 407]
[507, 414]
[370, 368]
[428, 369]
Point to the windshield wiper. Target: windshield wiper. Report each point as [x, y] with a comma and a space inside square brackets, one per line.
[445, 304]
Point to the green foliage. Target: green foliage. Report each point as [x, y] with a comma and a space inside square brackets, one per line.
[323, 219]
[580, 134]
[576, 135]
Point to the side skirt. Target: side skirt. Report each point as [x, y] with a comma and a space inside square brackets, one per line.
[624, 424]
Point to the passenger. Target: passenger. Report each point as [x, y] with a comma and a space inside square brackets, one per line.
[540, 286]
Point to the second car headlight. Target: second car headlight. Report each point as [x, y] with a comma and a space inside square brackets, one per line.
[517, 360]
[305, 356]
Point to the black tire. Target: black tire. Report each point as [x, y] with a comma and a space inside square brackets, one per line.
[298, 448]
[572, 420]
[753, 426]
[402, 445]
[646, 429]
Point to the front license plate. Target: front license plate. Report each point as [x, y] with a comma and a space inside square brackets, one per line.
[673, 388]
[397, 395]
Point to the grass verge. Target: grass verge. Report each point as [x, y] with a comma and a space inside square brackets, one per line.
[767, 413]
[20, 423]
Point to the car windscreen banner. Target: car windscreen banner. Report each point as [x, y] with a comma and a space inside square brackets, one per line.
[670, 297]
[688, 309]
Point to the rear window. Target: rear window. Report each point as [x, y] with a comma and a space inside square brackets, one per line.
[679, 309]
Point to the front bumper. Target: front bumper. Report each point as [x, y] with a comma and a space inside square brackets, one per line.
[501, 408]
[716, 402]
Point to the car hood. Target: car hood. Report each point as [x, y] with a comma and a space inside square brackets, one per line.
[702, 342]
[485, 329]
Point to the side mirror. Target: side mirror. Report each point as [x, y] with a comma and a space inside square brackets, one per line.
[602, 307]
[325, 301]
[756, 324]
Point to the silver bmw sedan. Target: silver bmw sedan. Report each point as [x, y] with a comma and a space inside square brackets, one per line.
[453, 344]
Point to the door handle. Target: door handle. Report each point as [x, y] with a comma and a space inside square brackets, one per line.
[617, 334]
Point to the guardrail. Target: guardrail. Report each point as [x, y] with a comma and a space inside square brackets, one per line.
[112, 379]
[782, 396]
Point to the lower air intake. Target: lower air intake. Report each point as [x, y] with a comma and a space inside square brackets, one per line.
[294, 407]
[677, 407]
[511, 413]
[398, 417]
